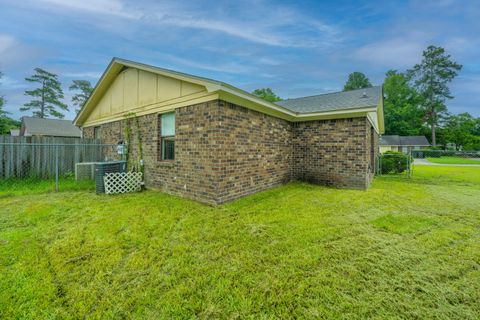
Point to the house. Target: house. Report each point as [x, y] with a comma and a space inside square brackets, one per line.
[402, 143]
[48, 128]
[210, 141]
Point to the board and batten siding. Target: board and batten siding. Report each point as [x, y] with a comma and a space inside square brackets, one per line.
[142, 92]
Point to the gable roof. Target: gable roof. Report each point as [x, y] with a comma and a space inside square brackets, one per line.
[360, 98]
[394, 140]
[414, 141]
[341, 107]
[50, 127]
[117, 65]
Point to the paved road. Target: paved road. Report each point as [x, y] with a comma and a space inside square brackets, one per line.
[428, 163]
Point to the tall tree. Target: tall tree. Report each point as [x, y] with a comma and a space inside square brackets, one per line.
[47, 98]
[84, 90]
[431, 78]
[266, 94]
[402, 114]
[356, 80]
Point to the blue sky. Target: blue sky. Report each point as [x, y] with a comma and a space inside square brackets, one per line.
[297, 48]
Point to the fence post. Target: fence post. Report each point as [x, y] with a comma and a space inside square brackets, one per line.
[409, 164]
[412, 164]
[379, 164]
[56, 168]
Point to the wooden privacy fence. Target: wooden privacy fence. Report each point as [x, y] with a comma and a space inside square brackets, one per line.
[22, 157]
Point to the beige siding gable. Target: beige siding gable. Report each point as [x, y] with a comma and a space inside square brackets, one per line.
[135, 90]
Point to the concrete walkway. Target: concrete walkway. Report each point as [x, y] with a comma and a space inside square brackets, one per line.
[425, 162]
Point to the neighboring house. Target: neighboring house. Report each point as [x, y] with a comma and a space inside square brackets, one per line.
[14, 132]
[48, 128]
[212, 142]
[402, 143]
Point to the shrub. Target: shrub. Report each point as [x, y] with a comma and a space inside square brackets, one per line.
[394, 162]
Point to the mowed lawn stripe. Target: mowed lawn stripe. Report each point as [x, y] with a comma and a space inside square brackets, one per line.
[402, 249]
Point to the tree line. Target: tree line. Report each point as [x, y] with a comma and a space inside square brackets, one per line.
[46, 98]
[415, 101]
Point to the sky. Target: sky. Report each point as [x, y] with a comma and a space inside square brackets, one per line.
[297, 48]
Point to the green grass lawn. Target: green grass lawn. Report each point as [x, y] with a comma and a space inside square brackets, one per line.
[404, 249]
[453, 160]
[17, 187]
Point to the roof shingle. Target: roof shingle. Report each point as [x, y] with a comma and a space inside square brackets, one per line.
[394, 140]
[360, 98]
[51, 127]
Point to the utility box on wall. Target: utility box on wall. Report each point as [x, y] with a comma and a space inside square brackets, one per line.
[101, 168]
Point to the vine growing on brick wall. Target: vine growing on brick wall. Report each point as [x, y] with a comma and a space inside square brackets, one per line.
[138, 163]
[128, 138]
[140, 144]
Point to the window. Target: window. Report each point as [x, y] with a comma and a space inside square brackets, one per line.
[167, 136]
[97, 133]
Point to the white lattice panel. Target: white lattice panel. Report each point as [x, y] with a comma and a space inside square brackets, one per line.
[122, 182]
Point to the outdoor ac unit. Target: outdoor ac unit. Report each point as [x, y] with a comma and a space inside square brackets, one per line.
[106, 167]
[85, 171]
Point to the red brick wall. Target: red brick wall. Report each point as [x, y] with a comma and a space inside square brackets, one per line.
[224, 151]
[192, 172]
[332, 152]
[254, 151]
[373, 145]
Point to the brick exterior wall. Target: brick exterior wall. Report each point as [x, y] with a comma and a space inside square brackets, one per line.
[254, 151]
[224, 151]
[332, 152]
[373, 143]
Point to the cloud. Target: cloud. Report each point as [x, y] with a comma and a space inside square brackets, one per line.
[391, 53]
[231, 67]
[11, 84]
[283, 28]
[13, 52]
[257, 32]
[9, 49]
[7, 42]
[110, 7]
[84, 74]
[468, 84]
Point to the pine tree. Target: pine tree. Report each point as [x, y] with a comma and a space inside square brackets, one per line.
[84, 89]
[47, 98]
[431, 78]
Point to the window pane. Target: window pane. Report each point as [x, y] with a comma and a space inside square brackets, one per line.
[168, 149]
[96, 132]
[168, 124]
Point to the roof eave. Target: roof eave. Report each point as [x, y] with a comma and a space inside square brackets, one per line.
[100, 84]
[331, 114]
[116, 65]
[380, 115]
[245, 95]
